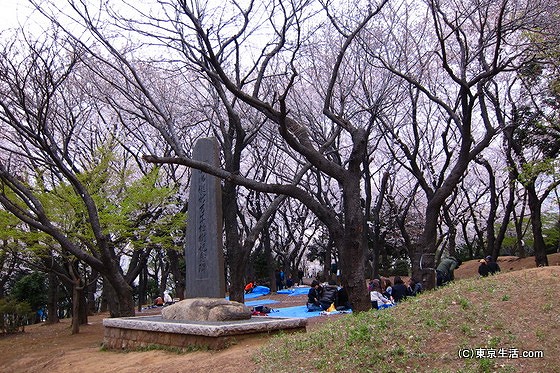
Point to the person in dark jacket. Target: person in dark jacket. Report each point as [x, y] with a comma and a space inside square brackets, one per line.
[399, 290]
[329, 296]
[313, 297]
[493, 266]
[483, 268]
[414, 287]
[445, 270]
[342, 300]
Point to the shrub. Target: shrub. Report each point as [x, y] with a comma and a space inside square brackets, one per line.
[14, 315]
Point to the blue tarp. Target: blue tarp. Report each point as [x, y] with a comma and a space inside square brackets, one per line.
[297, 311]
[258, 291]
[262, 290]
[261, 302]
[295, 291]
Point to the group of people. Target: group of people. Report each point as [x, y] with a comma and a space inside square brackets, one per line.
[488, 266]
[283, 281]
[384, 294]
[327, 298]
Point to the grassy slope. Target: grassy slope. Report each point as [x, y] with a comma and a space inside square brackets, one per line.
[514, 310]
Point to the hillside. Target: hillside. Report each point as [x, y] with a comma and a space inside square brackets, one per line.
[500, 318]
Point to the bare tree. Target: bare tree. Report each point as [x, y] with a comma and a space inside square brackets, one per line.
[213, 47]
[475, 43]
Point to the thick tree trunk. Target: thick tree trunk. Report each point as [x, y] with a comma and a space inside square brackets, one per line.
[52, 299]
[237, 257]
[119, 297]
[351, 247]
[90, 293]
[76, 292]
[424, 263]
[270, 265]
[142, 287]
[178, 273]
[536, 224]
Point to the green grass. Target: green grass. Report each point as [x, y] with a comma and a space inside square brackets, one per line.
[425, 333]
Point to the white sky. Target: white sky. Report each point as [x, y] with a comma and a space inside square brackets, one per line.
[13, 13]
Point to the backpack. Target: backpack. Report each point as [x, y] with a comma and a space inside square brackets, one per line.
[263, 309]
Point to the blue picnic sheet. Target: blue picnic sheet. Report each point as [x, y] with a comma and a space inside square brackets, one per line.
[299, 311]
[300, 290]
[261, 302]
[258, 291]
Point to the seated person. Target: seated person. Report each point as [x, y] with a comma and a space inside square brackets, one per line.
[414, 287]
[167, 298]
[313, 297]
[289, 282]
[386, 287]
[378, 300]
[249, 287]
[159, 301]
[399, 290]
[493, 266]
[342, 300]
[483, 268]
[329, 295]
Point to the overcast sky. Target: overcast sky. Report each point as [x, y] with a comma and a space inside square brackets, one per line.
[13, 13]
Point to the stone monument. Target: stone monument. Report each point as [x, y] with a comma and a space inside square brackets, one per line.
[204, 256]
[206, 318]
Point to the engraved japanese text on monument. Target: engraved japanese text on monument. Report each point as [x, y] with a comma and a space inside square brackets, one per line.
[203, 244]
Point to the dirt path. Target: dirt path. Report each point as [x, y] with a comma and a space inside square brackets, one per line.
[52, 348]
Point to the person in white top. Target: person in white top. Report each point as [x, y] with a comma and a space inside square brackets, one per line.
[378, 300]
[167, 298]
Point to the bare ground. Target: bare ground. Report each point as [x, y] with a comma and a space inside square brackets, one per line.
[52, 348]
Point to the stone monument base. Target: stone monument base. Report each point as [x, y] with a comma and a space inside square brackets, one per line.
[140, 332]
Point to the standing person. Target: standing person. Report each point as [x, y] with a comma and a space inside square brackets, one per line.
[399, 290]
[483, 269]
[313, 297]
[445, 270]
[493, 266]
[278, 276]
[300, 277]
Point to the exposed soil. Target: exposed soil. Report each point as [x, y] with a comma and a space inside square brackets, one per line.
[52, 348]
